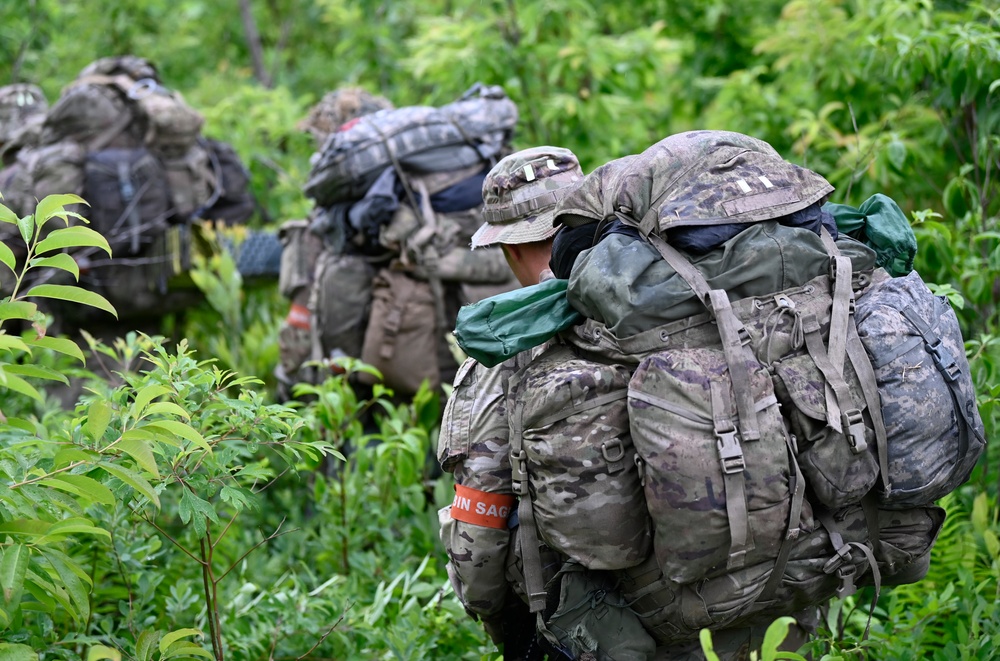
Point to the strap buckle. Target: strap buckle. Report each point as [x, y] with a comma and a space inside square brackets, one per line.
[730, 451]
[945, 362]
[842, 557]
[519, 472]
[854, 429]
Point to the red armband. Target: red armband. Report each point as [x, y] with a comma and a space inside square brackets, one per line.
[481, 508]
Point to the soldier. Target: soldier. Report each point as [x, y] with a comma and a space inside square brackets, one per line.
[520, 195]
[487, 543]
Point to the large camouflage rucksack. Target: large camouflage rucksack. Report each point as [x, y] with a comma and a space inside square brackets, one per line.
[420, 139]
[783, 450]
[383, 264]
[133, 150]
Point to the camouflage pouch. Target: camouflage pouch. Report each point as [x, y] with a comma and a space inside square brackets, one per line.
[592, 620]
[192, 181]
[173, 125]
[299, 254]
[718, 502]
[340, 301]
[53, 169]
[571, 448]
[401, 338]
[934, 430]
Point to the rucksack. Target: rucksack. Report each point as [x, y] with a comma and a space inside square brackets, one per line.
[779, 452]
[416, 139]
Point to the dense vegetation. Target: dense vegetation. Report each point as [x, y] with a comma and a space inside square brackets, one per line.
[182, 511]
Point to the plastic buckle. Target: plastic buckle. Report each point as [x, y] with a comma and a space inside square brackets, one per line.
[745, 337]
[843, 556]
[519, 472]
[783, 301]
[730, 451]
[846, 575]
[854, 429]
[945, 362]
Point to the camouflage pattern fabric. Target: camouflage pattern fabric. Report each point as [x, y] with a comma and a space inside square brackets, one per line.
[337, 108]
[474, 129]
[919, 358]
[571, 418]
[20, 103]
[710, 178]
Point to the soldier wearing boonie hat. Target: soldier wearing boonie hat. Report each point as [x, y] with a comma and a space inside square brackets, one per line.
[520, 195]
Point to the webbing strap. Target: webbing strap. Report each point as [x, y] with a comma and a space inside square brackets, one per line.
[797, 485]
[530, 556]
[870, 508]
[869, 388]
[842, 312]
[841, 415]
[950, 370]
[733, 465]
[733, 334]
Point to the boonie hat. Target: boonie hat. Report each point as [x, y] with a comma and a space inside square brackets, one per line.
[520, 194]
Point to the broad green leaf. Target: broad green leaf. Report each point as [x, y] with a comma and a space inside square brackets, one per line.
[141, 452]
[60, 261]
[13, 568]
[72, 237]
[101, 652]
[134, 480]
[26, 226]
[29, 527]
[17, 384]
[70, 579]
[27, 426]
[185, 431]
[76, 526]
[17, 652]
[59, 345]
[166, 408]
[11, 343]
[146, 644]
[73, 295]
[184, 649]
[98, 417]
[775, 635]
[152, 434]
[145, 395]
[81, 485]
[18, 310]
[7, 257]
[7, 216]
[37, 372]
[38, 580]
[70, 454]
[53, 205]
[172, 637]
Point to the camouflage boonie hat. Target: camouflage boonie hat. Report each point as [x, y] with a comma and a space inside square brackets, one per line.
[340, 106]
[520, 194]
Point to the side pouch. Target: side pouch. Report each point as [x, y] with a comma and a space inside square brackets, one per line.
[340, 300]
[300, 250]
[593, 619]
[56, 168]
[572, 418]
[192, 181]
[934, 430]
[717, 502]
[837, 474]
[401, 340]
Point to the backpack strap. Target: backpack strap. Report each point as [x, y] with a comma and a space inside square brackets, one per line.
[530, 556]
[733, 468]
[950, 370]
[798, 488]
[732, 332]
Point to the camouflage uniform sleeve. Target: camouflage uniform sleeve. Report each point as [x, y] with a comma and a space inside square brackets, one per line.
[474, 446]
